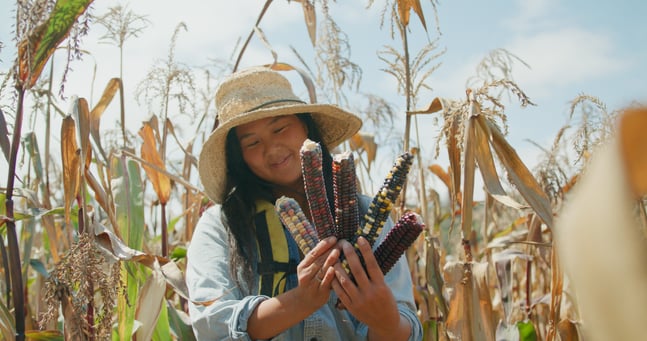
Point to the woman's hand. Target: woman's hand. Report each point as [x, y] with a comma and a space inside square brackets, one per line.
[369, 299]
[316, 273]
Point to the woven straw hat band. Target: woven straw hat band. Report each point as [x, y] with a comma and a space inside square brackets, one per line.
[244, 93]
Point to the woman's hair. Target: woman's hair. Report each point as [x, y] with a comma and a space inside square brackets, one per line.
[243, 188]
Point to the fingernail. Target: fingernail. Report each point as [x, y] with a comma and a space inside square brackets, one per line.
[361, 241]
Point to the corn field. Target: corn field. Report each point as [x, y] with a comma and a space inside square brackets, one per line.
[95, 216]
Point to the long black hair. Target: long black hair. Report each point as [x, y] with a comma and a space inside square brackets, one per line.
[243, 188]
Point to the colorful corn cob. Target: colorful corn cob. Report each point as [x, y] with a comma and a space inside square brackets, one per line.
[297, 223]
[398, 240]
[345, 191]
[314, 185]
[382, 203]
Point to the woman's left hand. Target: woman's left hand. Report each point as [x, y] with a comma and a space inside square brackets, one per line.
[369, 299]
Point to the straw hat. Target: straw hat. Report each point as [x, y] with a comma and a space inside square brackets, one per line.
[257, 93]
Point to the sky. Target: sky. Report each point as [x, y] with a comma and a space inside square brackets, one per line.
[571, 47]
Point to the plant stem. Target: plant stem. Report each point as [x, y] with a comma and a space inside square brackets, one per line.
[14, 252]
[164, 232]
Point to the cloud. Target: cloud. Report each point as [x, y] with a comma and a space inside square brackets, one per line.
[564, 57]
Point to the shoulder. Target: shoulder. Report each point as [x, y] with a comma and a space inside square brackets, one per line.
[209, 229]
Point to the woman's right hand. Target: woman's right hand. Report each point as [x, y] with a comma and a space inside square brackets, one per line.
[316, 273]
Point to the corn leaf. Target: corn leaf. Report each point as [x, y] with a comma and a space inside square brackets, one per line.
[307, 81]
[518, 173]
[434, 277]
[527, 331]
[366, 142]
[470, 309]
[310, 17]
[34, 51]
[633, 144]
[95, 115]
[82, 113]
[180, 323]
[44, 335]
[161, 182]
[601, 246]
[129, 208]
[71, 164]
[5, 145]
[488, 171]
[468, 179]
[150, 303]
[404, 9]
[454, 153]
[7, 325]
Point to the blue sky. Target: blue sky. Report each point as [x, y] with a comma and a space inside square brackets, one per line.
[572, 47]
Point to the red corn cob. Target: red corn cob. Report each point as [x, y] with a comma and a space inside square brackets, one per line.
[345, 191]
[315, 188]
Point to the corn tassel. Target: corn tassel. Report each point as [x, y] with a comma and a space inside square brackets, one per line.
[382, 203]
[398, 240]
[345, 191]
[314, 185]
[297, 223]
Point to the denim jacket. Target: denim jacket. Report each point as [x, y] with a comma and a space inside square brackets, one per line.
[209, 280]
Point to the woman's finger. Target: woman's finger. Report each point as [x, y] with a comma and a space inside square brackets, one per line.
[372, 267]
[355, 264]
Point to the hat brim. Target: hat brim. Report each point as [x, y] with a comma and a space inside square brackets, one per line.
[335, 126]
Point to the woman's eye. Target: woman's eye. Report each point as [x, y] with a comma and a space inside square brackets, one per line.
[280, 129]
[251, 144]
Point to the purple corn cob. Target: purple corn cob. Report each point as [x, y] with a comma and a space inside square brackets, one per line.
[398, 240]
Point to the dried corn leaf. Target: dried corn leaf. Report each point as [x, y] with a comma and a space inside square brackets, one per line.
[95, 115]
[82, 113]
[433, 275]
[114, 247]
[488, 171]
[150, 303]
[310, 17]
[161, 182]
[366, 142]
[468, 179]
[71, 165]
[518, 173]
[633, 147]
[603, 250]
[404, 8]
[568, 331]
[454, 152]
[307, 81]
[187, 153]
[470, 310]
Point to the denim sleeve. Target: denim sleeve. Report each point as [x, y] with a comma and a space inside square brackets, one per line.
[399, 280]
[217, 308]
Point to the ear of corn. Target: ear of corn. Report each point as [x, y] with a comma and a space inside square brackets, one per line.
[398, 240]
[382, 203]
[346, 225]
[313, 180]
[297, 223]
[345, 191]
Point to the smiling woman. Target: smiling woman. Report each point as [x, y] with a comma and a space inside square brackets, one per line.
[247, 278]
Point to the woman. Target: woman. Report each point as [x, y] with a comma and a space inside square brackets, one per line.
[245, 274]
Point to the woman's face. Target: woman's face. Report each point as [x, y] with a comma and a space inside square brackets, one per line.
[271, 148]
